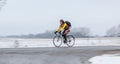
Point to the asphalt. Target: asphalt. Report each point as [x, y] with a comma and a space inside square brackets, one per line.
[53, 55]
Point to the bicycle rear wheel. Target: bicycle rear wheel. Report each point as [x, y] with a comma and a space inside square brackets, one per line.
[70, 40]
[57, 41]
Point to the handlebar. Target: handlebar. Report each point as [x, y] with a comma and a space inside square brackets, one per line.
[58, 34]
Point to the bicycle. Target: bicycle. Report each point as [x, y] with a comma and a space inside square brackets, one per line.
[58, 40]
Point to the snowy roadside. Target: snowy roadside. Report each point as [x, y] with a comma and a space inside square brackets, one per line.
[26, 43]
[106, 59]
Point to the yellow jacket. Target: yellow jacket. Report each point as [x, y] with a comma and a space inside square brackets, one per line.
[62, 27]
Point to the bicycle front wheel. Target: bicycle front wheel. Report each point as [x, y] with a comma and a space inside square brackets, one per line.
[57, 41]
[70, 40]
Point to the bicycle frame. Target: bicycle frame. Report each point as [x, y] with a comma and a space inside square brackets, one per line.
[60, 37]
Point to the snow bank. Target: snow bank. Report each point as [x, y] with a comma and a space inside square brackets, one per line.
[106, 59]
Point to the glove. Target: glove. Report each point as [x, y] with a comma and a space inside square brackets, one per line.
[60, 32]
[55, 32]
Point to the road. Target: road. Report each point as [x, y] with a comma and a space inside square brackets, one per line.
[52, 55]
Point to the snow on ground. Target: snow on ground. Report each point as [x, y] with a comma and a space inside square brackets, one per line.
[26, 43]
[106, 59]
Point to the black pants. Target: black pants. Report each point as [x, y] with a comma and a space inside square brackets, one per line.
[64, 35]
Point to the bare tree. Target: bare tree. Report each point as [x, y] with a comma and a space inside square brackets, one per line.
[118, 30]
[81, 32]
[111, 32]
[114, 31]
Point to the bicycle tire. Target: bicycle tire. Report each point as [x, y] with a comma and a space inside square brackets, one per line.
[55, 41]
[70, 40]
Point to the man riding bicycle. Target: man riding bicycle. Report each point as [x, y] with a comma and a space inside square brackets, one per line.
[65, 27]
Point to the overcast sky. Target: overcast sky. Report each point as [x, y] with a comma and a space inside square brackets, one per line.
[37, 16]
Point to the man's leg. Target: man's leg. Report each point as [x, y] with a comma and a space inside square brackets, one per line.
[64, 36]
[65, 32]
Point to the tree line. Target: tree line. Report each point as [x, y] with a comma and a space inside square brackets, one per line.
[77, 32]
[113, 31]
[81, 32]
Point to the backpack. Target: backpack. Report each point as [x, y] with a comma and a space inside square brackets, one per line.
[68, 23]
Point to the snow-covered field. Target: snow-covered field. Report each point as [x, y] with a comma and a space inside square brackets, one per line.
[106, 59]
[103, 59]
[26, 43]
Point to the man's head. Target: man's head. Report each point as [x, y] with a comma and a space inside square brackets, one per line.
[61, 21]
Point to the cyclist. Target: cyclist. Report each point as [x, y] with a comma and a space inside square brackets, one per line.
[65, 27]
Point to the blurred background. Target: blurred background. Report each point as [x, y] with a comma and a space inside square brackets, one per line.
[40, 18]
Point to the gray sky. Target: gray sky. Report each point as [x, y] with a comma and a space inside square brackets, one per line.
[37, 16]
